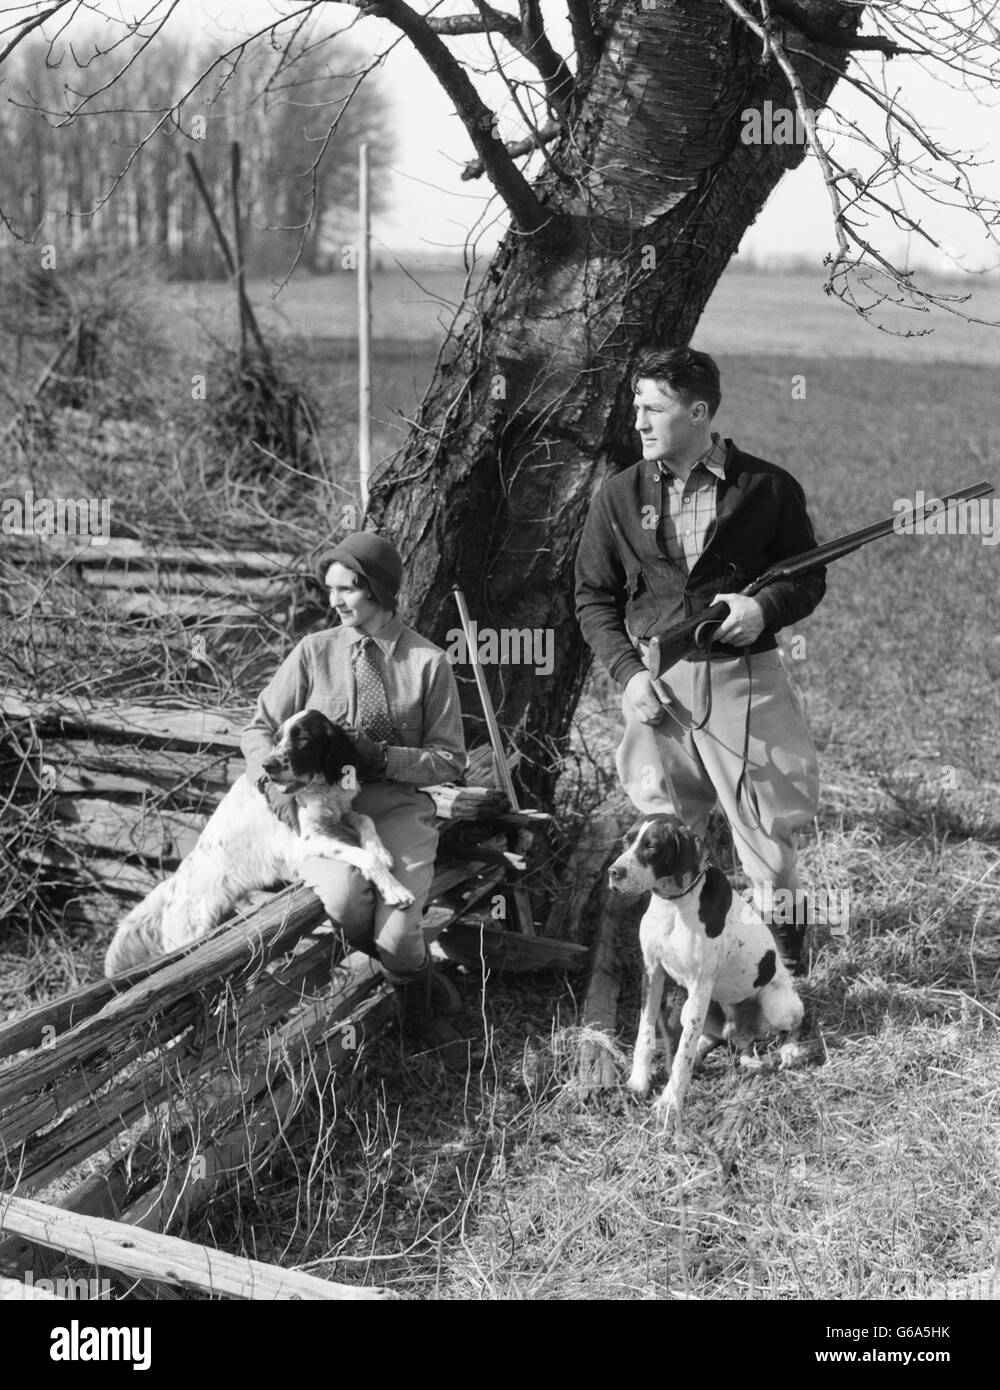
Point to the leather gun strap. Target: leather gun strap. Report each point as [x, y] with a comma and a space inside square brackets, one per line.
[696, 728]
[745, 787]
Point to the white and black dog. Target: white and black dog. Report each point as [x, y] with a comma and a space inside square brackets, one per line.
[245, 846]
[714, 944]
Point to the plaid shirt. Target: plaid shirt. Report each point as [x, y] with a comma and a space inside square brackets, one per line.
[688, 508]
[420, 691]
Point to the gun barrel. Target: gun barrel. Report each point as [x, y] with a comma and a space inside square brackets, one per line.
[670, 645]
[844, 545]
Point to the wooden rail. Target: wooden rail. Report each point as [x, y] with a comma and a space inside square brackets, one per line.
[154, 1054]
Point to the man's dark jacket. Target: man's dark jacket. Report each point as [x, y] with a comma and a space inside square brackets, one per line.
[623, 575]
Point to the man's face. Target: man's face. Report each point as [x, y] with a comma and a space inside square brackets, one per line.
[668, 427]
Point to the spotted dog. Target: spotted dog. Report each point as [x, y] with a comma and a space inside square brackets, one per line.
[716, 946]
[245, 846]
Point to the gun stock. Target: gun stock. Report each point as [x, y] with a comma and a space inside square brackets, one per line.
[698, 633]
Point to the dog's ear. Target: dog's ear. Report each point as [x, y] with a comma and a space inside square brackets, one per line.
[715, 901]
[656, 847]
[340, 753]
[688, 860]
[632, 834]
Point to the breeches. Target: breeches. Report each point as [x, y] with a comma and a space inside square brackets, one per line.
[672, 766]
[404, 819]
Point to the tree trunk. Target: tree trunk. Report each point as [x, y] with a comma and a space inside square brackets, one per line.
[529, 408]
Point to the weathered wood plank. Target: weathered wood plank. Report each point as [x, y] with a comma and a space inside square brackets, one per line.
[174, 769]
[150, 831]
[33, 1112]
[176, 1071]
[123, 551]
[618, 921]
[46, 1021]
[199, 729]
[135, 1188]
[269, 1001]
[111, 1009]
[43, 1023]
[242, 1131]
[474, 944]
[438, 915]
[145, 1255]
[170, 583]
[117, 883]
[207, 611]
[234, 951]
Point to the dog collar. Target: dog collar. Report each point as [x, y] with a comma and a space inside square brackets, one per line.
[672, 897]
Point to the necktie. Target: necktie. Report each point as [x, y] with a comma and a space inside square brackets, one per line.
[373, 708]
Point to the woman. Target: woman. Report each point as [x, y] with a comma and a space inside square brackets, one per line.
[396, 692]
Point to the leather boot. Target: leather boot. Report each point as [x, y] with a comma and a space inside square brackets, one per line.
[422, 1021]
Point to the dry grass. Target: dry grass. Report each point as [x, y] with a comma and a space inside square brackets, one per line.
[871, 1172]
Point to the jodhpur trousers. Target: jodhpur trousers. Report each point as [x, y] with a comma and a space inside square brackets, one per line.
[404, 819]
[674, 766]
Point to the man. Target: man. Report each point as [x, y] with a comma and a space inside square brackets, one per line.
[691, 523]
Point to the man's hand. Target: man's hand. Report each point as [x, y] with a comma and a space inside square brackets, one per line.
[744, 623]
[280, 802]
[641, 694]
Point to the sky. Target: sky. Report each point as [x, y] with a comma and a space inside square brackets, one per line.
[431, 209]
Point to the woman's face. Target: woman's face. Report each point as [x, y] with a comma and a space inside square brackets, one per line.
[351, 601]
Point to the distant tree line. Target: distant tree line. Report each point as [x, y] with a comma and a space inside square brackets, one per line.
[63, 182]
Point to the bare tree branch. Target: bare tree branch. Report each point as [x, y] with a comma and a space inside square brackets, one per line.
[526, 35]
[28, 25]
[857, 257]
[544, 135]
[585, 40]
[487, 20]
[773, 46]
[534, 45]
[528, 212]
[831, 36]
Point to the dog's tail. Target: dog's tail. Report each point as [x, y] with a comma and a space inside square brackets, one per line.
[139, 936]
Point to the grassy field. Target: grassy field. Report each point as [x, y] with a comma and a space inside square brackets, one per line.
[872, 1172]
[749, 313]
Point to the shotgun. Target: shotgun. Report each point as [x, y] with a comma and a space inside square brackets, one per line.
[492, 727]
[698, 633]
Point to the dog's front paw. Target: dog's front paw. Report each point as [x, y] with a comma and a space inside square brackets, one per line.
[792, 1053]
[395, 895]
[667, 1108]
[750, 1061]
[638, 1082]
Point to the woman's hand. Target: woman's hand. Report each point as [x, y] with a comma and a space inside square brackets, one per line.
[372, 754]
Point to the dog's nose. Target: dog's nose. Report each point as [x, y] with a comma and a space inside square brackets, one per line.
[616, 873]
[271, 764]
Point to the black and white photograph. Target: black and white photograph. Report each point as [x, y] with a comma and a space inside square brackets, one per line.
[500, 668]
